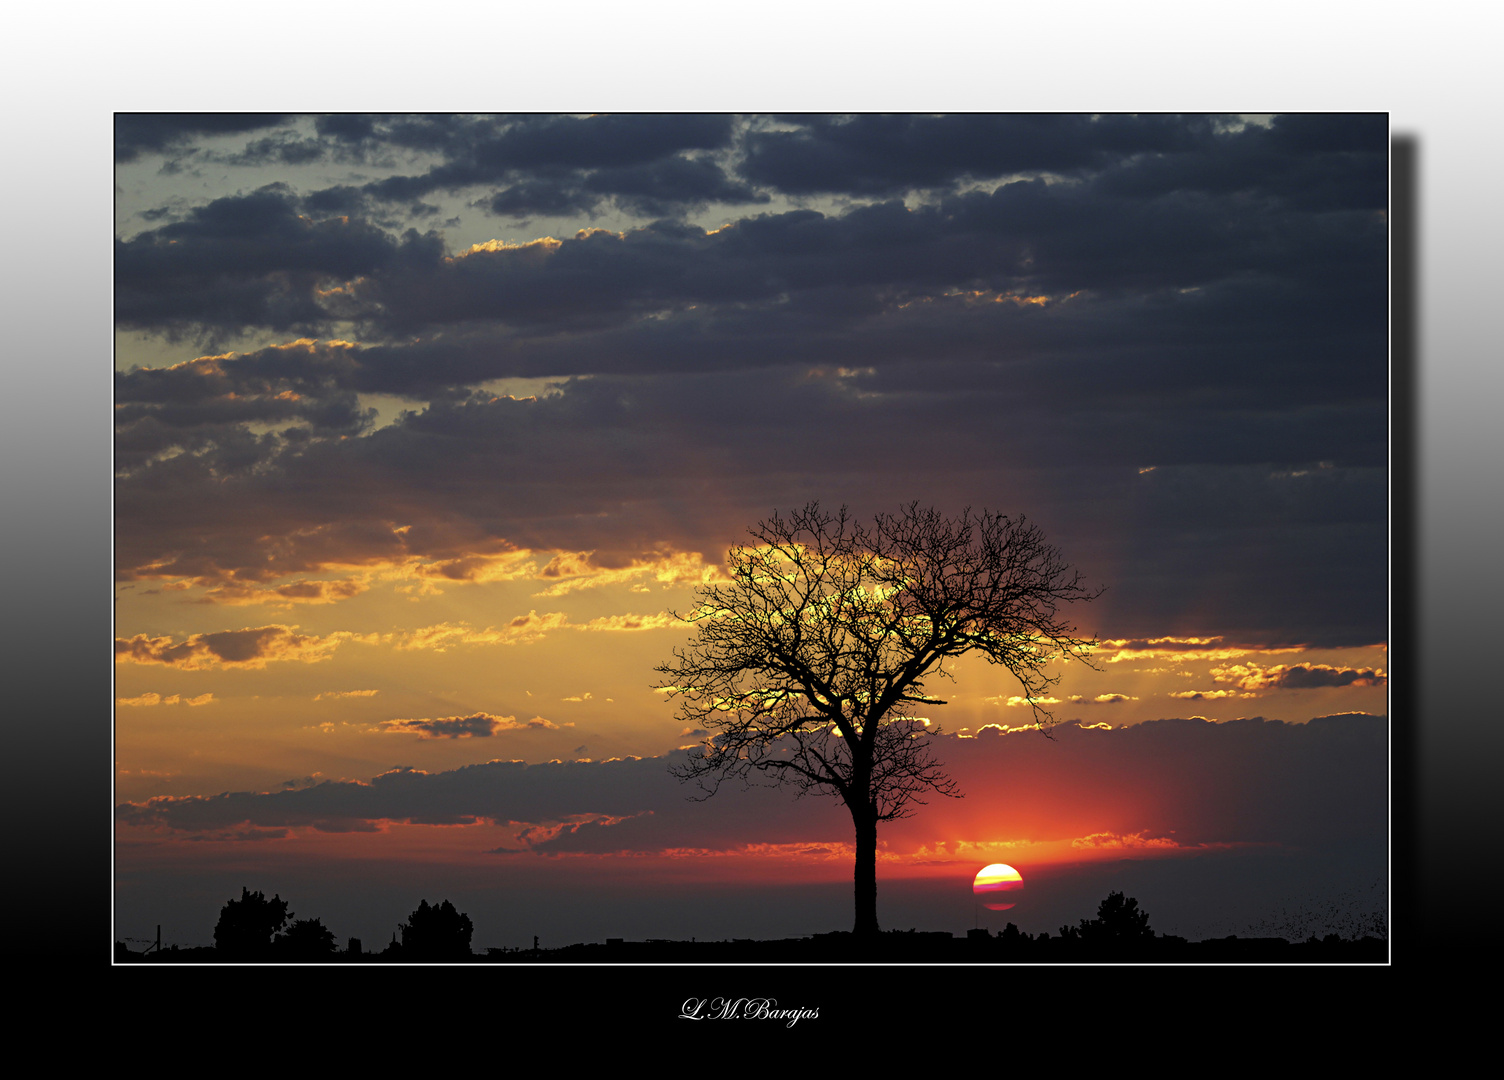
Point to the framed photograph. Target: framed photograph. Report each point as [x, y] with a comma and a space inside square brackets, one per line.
[558, 538]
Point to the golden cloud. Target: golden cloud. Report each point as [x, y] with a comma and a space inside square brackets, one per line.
[574, 571]
[294, 592]
[1139, 840]
[543, 246]
[1179, 649]
[521, 630]
[525, 629]
[613, 623]
[150, 698]
[999, 729]
[476, 567]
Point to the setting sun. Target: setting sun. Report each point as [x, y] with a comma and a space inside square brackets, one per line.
[998, 886]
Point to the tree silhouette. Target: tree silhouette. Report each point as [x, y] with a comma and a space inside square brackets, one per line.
[306, 939]
[436, 933]
[1119, 922]
[808, 667]
[246, 926]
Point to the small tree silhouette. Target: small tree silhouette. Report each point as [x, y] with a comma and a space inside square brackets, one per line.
[306, 939]
[437, 932]
[1119, 922]
[246, 926]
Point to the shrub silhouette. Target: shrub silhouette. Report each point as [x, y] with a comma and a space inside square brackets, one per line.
[306, 939]
[437, 932]
[1119, 922]
[246, 926]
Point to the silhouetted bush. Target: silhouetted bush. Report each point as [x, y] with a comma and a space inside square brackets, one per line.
[1119, 922]
[306, 939]
[246, 926]
[436, 933]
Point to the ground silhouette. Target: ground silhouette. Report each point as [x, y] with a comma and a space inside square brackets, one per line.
[441, 934]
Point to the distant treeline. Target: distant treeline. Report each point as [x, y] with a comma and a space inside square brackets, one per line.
[257, 930]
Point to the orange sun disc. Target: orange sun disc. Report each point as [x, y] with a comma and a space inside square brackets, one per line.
[997, 886]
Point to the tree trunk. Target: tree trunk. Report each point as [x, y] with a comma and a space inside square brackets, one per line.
[865, 818]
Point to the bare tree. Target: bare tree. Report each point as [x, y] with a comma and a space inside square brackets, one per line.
[808, 667]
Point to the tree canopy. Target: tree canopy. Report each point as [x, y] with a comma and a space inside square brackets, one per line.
[1119, 920]
[306, 939]
[246, 926]
[437, 932]
[809, 667]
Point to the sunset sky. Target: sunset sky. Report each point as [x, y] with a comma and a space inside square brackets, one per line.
[426, 425]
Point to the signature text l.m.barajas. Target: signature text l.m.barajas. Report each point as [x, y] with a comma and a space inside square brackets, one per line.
[743, 1009]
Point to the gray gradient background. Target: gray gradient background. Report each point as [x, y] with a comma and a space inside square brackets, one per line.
[57, 288]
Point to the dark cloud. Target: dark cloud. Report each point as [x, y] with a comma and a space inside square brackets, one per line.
[499, 791]
[606, 141]
[510, 151]
[1306, 677]
[347, 127]
[887, 155]
[1307, 161]
[336, 413]
[1253, 677]
[1294, 553]
[250, 261]
[665, 188]
[141, 133]
[1203, 279]
[282, 149]
[1175, 357]
[552, 196]
[251, 647]
[478, 725]
[204, 407]
[343, 199]
[1198, 782]
[671, 185]
[1206, 269]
